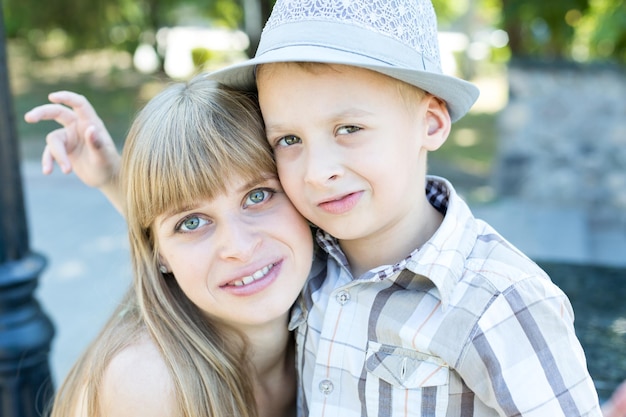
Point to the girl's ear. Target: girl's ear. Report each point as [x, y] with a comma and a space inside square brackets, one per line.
[163, 266]
[438, 123]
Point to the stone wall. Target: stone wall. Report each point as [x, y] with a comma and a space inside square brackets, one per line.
[563, 140]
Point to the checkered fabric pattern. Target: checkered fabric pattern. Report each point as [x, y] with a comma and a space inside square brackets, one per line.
[464, 326]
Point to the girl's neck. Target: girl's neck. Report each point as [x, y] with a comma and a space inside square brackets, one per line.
[275, 389]
[272, 352]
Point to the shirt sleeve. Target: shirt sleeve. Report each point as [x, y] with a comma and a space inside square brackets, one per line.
[523, 357]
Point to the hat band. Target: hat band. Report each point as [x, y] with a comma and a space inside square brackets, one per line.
[361, 46]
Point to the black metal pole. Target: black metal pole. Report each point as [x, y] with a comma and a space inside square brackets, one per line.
[25, 331]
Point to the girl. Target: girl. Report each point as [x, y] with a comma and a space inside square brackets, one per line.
[219, 257]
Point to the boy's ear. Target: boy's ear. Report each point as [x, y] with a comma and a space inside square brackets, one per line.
[438, 123]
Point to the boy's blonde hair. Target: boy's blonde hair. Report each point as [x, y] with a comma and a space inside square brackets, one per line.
[409, 93]
[186, 144]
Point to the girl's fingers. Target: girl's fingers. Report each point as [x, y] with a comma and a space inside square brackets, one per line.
[77, 102]
[56, 112]
[57, 148]
[92, 139]
[47, 163]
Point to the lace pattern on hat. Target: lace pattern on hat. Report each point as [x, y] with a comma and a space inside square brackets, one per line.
[411, 22]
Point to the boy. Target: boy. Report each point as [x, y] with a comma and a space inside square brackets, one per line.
[423, 309]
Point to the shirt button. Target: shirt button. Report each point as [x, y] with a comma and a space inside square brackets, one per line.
[342, 297]
[326, 387]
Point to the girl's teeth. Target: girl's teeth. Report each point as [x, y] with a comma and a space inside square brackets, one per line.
[250, 278]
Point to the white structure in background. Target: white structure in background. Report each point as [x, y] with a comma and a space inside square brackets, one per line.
[449, 44]
[176, 44]
[455, 46]
[146, 60]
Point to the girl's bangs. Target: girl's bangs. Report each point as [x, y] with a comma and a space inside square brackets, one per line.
[193, 150]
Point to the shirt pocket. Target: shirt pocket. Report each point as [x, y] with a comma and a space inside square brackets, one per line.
[407, 380]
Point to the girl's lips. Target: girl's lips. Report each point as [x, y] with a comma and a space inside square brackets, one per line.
[341, 205]
[255, 276]
[256, 282]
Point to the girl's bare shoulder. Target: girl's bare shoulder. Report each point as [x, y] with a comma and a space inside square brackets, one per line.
[137, 383]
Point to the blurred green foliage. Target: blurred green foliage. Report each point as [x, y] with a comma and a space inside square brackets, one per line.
[539, 28]
[86, 24]
[120, 24]
[549, 30]
[579, 30]
[570, 30]
[603, 29]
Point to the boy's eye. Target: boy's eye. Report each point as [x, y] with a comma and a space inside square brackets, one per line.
[344, 130]
[191, 223]
[288, 140]
[258, 196]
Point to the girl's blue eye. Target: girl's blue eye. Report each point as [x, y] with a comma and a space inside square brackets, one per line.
[191, 223]
[258, 196]
[288, 140]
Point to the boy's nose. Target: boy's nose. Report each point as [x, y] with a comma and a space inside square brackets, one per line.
[322, 167]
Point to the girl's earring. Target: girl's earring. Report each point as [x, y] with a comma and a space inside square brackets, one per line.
[163, 269]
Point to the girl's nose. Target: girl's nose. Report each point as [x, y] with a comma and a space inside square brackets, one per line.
[238, 240]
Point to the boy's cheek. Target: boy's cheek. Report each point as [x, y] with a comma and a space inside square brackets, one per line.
[294, 191]
[293, 186]
[289, 170]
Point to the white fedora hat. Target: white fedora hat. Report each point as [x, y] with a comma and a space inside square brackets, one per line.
[397, 38]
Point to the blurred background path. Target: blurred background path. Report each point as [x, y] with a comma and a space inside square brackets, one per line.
[84, 241]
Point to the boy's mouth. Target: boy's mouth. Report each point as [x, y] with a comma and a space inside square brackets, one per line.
[341, 204]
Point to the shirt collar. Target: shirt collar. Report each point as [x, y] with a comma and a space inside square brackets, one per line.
[442, 258]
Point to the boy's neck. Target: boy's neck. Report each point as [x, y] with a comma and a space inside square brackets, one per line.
[387, 249]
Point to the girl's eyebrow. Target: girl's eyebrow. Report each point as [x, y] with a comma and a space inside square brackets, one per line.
[250, 184]
[173, 211]
[256, 181]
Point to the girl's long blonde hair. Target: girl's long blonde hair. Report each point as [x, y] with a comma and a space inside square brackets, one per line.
[185, 145]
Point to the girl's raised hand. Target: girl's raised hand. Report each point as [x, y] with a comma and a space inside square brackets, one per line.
[82, 144]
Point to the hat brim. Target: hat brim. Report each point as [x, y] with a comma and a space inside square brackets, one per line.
[458, 94]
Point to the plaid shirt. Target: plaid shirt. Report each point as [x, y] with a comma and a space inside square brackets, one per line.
[464, 326]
